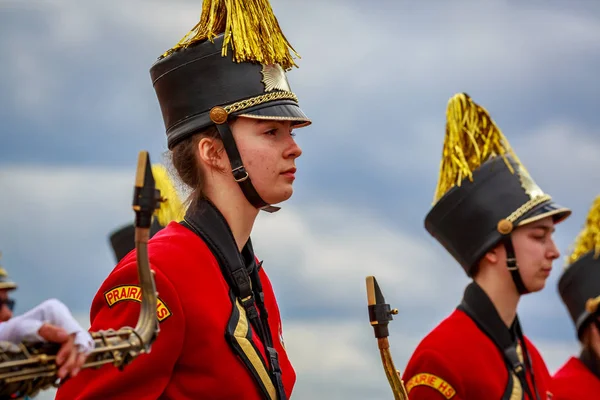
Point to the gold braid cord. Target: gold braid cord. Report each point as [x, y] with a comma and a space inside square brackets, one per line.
[263, 98]
[472, 137]
[27, 368]
[250, 28]
[589, 237]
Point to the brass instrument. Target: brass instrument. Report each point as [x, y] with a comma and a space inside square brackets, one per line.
[27, 368]
[380, 314]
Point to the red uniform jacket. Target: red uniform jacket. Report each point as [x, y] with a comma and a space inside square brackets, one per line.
[191, 358]
[458, 361]
[574, 381]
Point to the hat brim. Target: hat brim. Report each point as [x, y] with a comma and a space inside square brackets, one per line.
[8, 286]
[278, 111]
[549, 209]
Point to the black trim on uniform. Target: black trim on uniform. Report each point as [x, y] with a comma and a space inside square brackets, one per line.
[478, 306]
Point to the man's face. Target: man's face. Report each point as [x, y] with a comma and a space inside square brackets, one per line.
[535, 251]
[6, 305]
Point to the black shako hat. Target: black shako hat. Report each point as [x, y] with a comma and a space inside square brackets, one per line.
[579, 285]
[484, 191]
[231, 64]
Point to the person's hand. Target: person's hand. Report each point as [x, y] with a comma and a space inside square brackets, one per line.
[69, 358]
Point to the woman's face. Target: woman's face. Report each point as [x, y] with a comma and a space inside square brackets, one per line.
[269, 153]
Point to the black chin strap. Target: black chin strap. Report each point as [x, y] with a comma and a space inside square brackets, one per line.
[239, 172]
[590, 360]
[511, 263]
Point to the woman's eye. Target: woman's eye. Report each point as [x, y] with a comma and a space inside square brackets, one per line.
[292, 133]
[272, 132]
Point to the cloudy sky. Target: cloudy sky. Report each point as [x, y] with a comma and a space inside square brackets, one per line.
[77, 105]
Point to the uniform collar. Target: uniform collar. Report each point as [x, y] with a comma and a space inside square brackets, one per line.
[485, 313]
[205, 216]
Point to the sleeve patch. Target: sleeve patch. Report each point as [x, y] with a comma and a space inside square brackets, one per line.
[432, 381]
[134, 293]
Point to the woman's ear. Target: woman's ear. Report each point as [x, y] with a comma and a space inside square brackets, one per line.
[210, 152]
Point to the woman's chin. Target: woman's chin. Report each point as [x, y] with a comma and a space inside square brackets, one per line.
[279, 196]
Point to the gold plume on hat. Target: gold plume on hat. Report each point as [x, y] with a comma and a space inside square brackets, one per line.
[589, 237]
[249, 27]
[472, 137]
[171, 209]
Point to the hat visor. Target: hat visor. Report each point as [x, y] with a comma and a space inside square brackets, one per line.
[286, 110]
[8, 286]
[549, 209]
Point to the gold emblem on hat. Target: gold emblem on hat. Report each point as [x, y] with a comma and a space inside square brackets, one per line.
[591, 305]
[531, 188]
[274, 78]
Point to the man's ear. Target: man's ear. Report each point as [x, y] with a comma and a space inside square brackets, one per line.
[493, 255]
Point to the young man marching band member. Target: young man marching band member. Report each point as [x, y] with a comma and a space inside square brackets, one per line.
[579, 288]
[229, 115]
[498, 224]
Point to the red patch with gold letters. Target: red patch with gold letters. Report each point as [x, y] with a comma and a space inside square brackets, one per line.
[134, 293]
[433, 382]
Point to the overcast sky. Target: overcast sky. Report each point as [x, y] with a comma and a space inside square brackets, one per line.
[77, 105]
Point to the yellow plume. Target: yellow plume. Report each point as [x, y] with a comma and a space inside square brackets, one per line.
[589, 238]
[171, 209]
[472, 137]
[250, 28]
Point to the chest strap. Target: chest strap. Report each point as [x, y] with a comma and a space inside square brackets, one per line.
[242, 275]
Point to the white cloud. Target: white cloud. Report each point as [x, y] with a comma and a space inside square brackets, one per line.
[401, 52]
[556, 352]
[55, 227]
[323, 254]
[564, 153]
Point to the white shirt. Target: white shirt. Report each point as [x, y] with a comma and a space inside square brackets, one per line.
[25, 327]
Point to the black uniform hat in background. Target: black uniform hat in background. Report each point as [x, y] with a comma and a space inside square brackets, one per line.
[579, 285]
[484, 191]
[122, 240]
